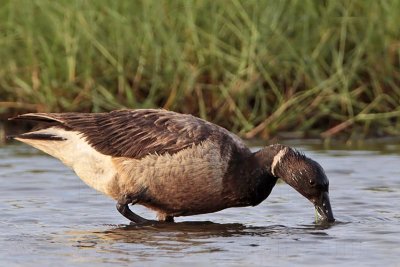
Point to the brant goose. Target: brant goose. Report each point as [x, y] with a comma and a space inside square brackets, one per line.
[175, 164]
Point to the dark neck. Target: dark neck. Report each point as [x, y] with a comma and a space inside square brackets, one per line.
[250, 181]
[265, 157]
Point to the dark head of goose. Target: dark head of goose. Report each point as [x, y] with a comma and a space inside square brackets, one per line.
[305, 175]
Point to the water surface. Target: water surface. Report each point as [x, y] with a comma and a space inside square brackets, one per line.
[49, 217]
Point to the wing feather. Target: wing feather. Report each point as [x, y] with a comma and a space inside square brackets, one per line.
[137, 133]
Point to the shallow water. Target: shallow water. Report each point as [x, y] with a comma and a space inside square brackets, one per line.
[49, 217]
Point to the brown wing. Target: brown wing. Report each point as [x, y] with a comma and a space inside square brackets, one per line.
[137, 133]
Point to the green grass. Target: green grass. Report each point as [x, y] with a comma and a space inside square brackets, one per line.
[257, 67]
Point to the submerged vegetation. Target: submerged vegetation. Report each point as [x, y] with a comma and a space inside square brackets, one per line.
[315, 68]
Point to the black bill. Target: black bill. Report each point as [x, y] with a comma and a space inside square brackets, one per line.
[323, 207]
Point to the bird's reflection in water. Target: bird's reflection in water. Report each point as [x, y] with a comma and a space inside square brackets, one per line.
[185, 236]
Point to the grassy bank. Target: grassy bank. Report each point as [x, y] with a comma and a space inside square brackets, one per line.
[256, 67]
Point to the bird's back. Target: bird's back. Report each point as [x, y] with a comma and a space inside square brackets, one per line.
[136, 133]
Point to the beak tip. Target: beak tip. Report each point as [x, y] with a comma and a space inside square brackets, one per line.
[324, 210]
[325, 217]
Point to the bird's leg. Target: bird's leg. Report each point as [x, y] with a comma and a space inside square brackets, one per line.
[123, 208]
[169, 219]
[162, 217]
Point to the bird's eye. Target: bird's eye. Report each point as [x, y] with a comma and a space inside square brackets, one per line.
[312, 182]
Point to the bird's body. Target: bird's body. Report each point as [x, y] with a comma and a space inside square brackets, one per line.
[173, 163]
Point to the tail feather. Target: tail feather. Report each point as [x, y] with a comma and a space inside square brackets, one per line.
[42, 130]
[37, 136]
[39, 117]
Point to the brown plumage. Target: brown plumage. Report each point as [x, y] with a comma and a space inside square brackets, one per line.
[175, 164]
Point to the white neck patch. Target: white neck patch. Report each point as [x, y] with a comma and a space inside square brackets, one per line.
[277, 159]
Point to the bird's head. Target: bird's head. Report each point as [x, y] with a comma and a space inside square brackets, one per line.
[303, 174]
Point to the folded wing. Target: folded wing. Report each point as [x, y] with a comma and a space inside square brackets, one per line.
[135, 133]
